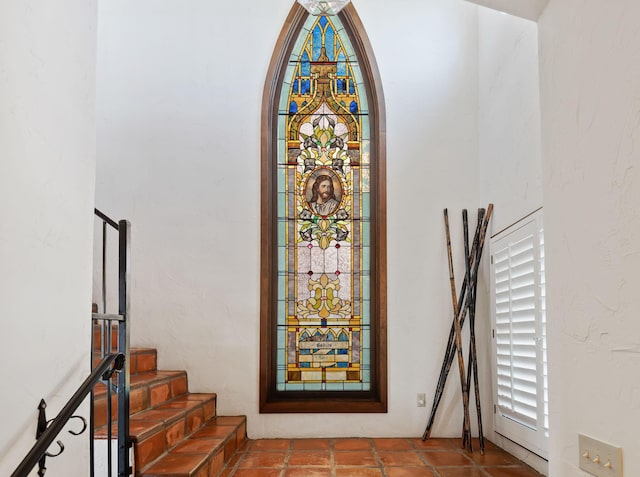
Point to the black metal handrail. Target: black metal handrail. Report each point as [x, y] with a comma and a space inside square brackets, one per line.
[39, 449]
[107, 321]
[106, 218]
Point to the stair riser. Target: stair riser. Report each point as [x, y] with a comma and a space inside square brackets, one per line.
[150, 448]
[141, 397]
[219, 442]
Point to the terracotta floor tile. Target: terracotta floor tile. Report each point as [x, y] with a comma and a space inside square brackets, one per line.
[263, 459]
[446, 458]
[408, 472]
[351, 444]
[432, 444]
[400, 459]
[365, 457]
[358, 472]
[307, 472]
[212, 430]
[234, 460]
[270, 444]
[226, 472]
[361, 458]
[177, 464]
[460, 472]
[310, 458]
[392, 444]
[311, 444]
[257, 473]
[203, 446]
[488, 445]
[492, 458]
[519, 471]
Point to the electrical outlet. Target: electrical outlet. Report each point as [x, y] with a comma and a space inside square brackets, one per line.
[599, 458]
[422, 400]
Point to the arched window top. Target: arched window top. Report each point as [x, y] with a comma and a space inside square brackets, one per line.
[323, 312]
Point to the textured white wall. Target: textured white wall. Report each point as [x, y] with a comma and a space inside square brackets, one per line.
[47, 159]
[509, 152]
[590, 89]
[179, 96]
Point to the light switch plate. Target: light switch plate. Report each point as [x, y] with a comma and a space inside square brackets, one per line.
[599, 458]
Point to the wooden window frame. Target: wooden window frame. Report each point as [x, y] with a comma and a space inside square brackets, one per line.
[374, 400]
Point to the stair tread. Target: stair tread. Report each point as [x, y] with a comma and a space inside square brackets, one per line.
[203, 453]
[143, 379]
[150, 421]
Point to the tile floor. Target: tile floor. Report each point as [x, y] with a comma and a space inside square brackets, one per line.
[371, 458]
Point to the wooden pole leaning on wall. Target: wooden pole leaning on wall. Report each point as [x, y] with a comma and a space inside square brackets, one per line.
[465, 304]
[466, 427]
[450, 351]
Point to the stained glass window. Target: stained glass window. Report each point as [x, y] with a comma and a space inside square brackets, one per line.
[323, 315]
[323, 338]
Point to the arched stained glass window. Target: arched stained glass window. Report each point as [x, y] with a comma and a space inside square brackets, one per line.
[323, 310]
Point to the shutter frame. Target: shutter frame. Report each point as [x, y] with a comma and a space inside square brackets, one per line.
[519, 334]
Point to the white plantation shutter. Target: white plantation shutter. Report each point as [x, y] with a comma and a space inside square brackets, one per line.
[519, 330]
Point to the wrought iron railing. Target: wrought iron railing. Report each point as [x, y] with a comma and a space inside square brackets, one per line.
[47, 431]
[106, 323]
[105, 353]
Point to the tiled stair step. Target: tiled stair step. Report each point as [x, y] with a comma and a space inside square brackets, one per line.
[204, 453]
[142, 360]
[97, 336]
[157, 430]
[148, 389]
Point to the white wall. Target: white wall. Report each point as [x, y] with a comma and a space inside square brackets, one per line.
[510, 164]
[590, 89]
[47, 163]
[509, 156]
[179, 96]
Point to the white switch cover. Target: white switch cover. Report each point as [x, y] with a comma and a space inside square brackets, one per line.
[599, 458]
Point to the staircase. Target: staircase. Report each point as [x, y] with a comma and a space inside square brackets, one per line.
[174, 433]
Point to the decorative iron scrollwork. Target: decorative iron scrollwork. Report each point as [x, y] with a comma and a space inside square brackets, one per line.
[43, 424]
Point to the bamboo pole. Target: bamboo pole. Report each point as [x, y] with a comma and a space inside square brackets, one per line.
[458, 336]
[476, 253]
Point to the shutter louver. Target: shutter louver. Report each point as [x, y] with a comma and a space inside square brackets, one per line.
[519, 333]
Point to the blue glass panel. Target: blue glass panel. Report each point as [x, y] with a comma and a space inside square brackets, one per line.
[352, 88]
[317, 43]
[343, 365]
[293, 107]
[366, 312]
[305, 67]
[323, 21]
[305, 88]
[353, 107]
[282, 205]
[366, 376]
[329, 43]
[305, 365]
[296, 87]
[282, 314]
[339, 85]
[342, 65]
[366, 258]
